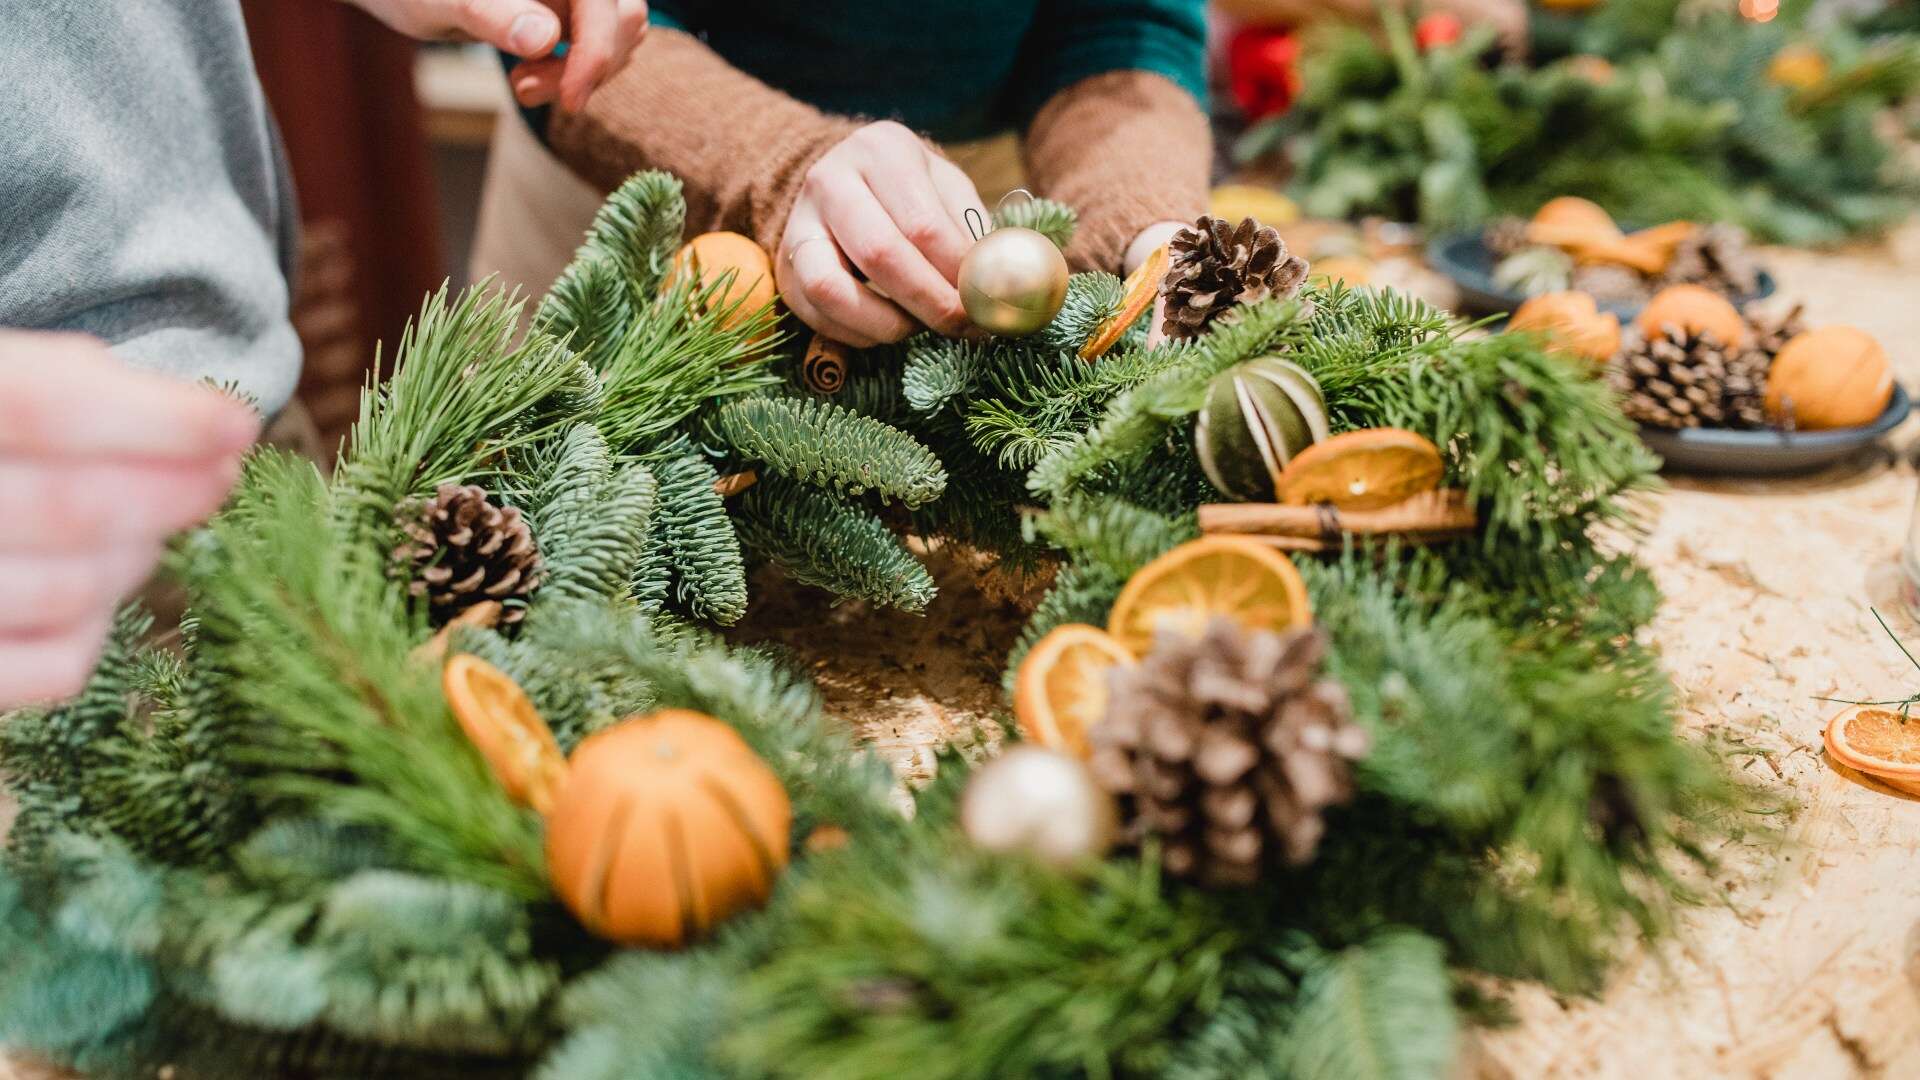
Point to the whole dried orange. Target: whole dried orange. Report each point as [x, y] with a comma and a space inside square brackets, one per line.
[1876, 740]
[1182, 590]
[1142, 286]
[1362, 470]
[1060, 692]
[506, 728]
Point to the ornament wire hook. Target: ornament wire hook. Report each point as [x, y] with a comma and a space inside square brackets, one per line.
[976, 223]
[1025, 198]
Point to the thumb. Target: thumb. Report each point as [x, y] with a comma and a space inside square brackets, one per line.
[522, 27]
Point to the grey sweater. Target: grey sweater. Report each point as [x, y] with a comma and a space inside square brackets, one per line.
[143, 197]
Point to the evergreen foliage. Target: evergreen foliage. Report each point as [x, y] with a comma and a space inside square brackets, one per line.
[816, 538]
[1690, 126]
[825, 445]
[701, 549]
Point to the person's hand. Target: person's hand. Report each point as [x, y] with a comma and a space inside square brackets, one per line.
[603, 35]
[885, 204]
[99, 464]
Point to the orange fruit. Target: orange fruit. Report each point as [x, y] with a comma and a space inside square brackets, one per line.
[1060, 692]
[1575, 214]
[709, 257]
[1184, 589]
[1877, 741]
[1693, 309]
[1362, 470]
[1833, 377]
[506, 728]
[1141, 288]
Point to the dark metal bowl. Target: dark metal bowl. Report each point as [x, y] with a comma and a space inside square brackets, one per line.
[1768, 453]
[1464, 258]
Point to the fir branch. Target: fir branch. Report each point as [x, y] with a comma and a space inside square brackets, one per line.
[938, 369]
[1053, 220]
[588, 307]
[709, 573]
[818, 539]
[827, 446]
[1381, 1010]
[590, 520]
[637, 230]
[683, 350]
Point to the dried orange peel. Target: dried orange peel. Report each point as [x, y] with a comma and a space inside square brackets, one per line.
[1368, 469]
[1186, 588]
[1878, 741]
[1060, 692]
[1142, 287]
[505, 727]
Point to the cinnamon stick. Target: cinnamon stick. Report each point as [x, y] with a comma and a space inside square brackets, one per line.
[1443, 511]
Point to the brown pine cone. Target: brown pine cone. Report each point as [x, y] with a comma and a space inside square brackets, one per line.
[462, 548]
[1227, 749]
[1213, 267]
[1682, 380]
[1770, 335]
[1506, 236]
[1610, 283]
[1716, 256]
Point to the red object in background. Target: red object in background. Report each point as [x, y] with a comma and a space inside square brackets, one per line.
[1263, 70]
[341, 88]
[1437, 29]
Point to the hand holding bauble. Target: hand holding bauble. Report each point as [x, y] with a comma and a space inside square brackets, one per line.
[1041, 803]
[1013, 281]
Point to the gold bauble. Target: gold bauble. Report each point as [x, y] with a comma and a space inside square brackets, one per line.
[1041, 803]
[1013, 282]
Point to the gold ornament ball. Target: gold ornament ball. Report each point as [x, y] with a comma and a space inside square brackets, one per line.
[1013, 282]
[1038, 802]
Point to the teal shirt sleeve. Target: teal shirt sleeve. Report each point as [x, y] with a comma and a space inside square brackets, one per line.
[1073, 40]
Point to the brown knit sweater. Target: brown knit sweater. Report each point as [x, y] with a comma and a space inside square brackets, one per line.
[1125, 148]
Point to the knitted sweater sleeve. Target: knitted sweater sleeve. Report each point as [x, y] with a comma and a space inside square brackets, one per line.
[742, 147]
[1126, 149]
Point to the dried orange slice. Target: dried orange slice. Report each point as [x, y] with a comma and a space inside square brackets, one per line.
[507, 730]
[1877, 741]
[1362, 470]
[1142, 286]
[1183, 590]
[1060, 692]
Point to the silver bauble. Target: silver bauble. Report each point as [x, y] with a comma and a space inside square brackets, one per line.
[1013, 281]
[1038, 802]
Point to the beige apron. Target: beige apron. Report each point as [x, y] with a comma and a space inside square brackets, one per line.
[534, 210]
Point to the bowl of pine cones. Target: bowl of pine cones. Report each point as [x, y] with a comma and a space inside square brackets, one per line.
[1764, 396]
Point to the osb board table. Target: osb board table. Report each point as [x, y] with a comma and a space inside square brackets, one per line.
[1807, 970]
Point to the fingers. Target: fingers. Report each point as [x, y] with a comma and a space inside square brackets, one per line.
[903, 182]
[521, 27]
[604, 35]
[537, 82]
[817, 284]
[58, 590]
[870, 237]
[46, 667]
[52, 506]
[67, 396]
[957, 192]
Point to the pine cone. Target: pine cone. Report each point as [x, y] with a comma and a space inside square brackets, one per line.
[1214, 267]
[1228, 749]
[1690, 381]
[1770, 335]
[462, 548]
[1715, 256]
[1506, 236]
[1610, 283]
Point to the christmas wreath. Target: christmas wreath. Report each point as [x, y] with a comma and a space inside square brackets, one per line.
[1280, 820]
